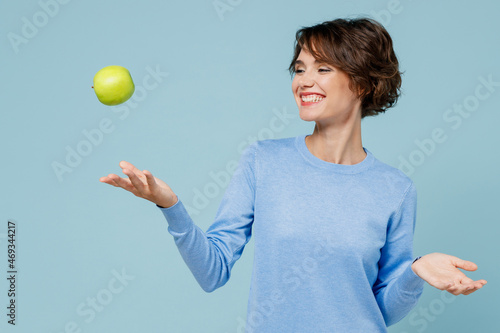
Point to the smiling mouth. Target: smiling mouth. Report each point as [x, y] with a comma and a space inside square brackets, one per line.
[311, 99]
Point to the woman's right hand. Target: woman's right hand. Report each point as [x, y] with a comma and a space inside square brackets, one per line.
[142, 184]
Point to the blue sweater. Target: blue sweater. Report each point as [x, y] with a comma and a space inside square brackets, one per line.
[333, 242]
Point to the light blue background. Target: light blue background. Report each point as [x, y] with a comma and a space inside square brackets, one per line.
[227, 79]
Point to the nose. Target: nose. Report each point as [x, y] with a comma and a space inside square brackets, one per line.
[305, 80]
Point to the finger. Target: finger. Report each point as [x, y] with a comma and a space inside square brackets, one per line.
[130, 166]
[452, 287]
[479, 283]
[136, 171]
[465, 264]
[469, 291]
[458, 285]
[115, 181]
[150, 179]
[122, 182]
[136, 182]
[109, 180]
[467, 281]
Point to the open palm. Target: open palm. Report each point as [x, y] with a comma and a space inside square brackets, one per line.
[441, 271]
[142, 184]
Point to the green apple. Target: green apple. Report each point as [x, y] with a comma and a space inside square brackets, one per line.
[113, 85]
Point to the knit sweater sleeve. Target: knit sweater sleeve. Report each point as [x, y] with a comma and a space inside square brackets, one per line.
[211, 255]
[398, 287]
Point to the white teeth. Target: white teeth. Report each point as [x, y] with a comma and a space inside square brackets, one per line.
[312, 98]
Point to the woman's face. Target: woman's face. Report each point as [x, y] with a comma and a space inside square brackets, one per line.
[331, 99]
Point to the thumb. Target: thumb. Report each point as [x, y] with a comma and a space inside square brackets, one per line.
[465, 264]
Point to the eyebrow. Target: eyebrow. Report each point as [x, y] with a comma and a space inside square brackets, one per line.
[300, 62]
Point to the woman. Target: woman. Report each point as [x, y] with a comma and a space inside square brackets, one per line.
[333, 225]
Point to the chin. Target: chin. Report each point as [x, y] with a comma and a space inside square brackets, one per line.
[306, 115]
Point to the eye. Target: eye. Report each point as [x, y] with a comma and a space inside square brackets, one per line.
[325, 70]
[297, 66]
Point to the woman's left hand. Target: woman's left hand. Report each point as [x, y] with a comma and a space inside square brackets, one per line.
[441, 271]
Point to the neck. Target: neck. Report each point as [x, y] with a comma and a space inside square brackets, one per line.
[337, 142]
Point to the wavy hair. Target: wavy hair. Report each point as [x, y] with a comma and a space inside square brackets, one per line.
[363, 49]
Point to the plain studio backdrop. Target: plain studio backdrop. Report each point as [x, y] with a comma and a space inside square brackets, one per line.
[211, 77]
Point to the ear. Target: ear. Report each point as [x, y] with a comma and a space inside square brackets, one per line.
[361, 91]
[354, 87]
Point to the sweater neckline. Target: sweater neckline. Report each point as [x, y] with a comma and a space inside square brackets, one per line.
[300, 143]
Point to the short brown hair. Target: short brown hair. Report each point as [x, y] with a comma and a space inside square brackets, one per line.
[362, 48]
